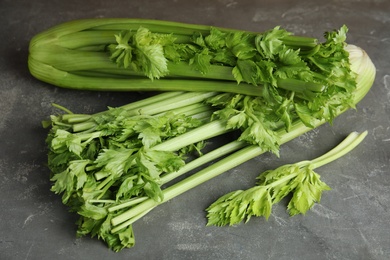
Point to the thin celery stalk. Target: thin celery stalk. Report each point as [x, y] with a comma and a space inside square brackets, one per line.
[343, 148]
[99, 62]
[204, 132]
[129, 217]
[83, 39]
[86, 38]
[73, 60]
[54, 34]
[183, 100]
[65, 79]
[190, 110]
[202, 160]
[154, 105]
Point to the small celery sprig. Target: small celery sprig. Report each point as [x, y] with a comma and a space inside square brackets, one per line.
[274, 185]
[142, 51]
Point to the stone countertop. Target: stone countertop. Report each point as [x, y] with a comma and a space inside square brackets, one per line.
[351, 222]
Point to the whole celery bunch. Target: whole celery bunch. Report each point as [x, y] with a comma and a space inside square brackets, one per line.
[115, 166]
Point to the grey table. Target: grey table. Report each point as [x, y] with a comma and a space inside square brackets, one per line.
[352, 221]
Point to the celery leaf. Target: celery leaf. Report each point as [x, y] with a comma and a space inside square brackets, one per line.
[272, 186]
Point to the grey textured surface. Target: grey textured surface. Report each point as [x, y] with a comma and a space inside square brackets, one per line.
[352, 221]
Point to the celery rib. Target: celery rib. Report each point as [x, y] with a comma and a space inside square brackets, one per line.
[65, 79]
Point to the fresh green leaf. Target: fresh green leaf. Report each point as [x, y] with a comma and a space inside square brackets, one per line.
[241, 44]
[247, 71]
[307, 192]
[70, 180]
[91, 211]
[270, 43]
[143, 51]
[201, 61]
[115, 162]
[216, 40]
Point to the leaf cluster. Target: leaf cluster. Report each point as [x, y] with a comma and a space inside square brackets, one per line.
[297, 179]
[273, 185]
[332, 68]
[254, 58]
[258, 117]
[112, 162]
[298, 82]
[142, 51]
[252, 115]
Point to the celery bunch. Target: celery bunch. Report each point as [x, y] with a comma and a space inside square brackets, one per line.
[130, 54]
[113, 167]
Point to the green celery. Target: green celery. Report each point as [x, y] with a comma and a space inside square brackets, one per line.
[95, 159]
[74, 52]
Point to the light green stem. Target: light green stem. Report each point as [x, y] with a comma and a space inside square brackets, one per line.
[348, 144]
[130, 203]
[202, 160]
[204, 132]
[66, 79]
[167, 100]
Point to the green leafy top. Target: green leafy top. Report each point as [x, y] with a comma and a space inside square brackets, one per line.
[312, 87]
[119, 147]
[310, 83]
[251, 115]
[273, 58]
[274, 185]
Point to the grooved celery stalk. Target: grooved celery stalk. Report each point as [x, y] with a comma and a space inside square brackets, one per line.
[65, 79]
